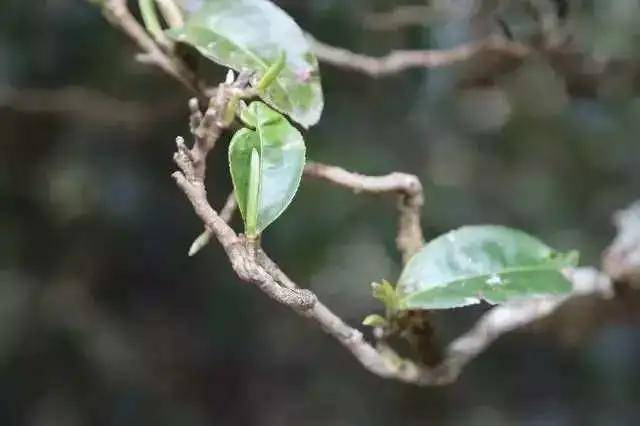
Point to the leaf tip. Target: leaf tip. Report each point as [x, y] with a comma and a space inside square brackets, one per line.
[197, 245]
[374, 320]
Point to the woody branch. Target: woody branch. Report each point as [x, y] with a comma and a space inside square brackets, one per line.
[268, 277]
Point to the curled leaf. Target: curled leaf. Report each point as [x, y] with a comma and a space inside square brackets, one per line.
[266, 166]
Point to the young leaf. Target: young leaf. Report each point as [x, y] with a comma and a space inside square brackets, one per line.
[384, 292]
[253, 34]
[492, 263]
[266, 166]
[150, 18]
[375, 320]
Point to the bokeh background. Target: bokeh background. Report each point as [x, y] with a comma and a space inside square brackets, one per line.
[104, 320]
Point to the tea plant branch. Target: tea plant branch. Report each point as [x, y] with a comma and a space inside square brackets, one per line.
[410, 199]
[268, 277]
[511, 316]
[404, 16]
[118, 14]
[236, 247]
[401, 60]
[565, 60]
[85, 104]
[229, 208]
[399, 17]
[263, 272]
[407, 187]
[226, 214]
[255, 266]
[582, 72]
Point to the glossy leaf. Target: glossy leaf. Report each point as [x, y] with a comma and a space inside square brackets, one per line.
[474, 263]
[253, 34]
[276, 172]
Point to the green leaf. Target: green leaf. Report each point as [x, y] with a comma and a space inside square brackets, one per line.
[266, 165]
[253, 34]
[385, 293]
[375, 320]
[150, 18]
[492, 263]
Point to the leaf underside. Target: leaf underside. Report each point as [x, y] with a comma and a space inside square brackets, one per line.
[486, 262]
[252, 34]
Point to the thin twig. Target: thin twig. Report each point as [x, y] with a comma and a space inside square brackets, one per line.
[226, 214]
[229, 208]
[118, 14]
[87, 104]
[401, 60]
[410, 199]
[511, 316]
[402, 16]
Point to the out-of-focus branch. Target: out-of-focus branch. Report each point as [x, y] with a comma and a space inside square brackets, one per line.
[226, 214]
[87, 104]
[401, 60]
[410, 199]
[421, 15]
[229, 208]
[118, 14]
[622, 259]
[584, 75]
[511, 316]
[401, 17]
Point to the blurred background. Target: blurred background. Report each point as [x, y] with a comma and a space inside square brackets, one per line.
[104, 320]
